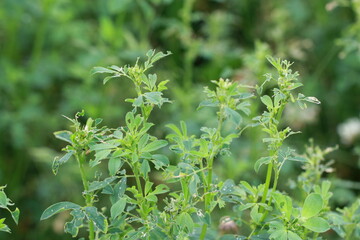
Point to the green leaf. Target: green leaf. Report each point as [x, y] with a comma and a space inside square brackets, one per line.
[118, 208]
[3, 200]
[101, 70]
[284, 204]
[159, 56]
[106, 79]
[58, 207]
[208, 103]
[244, 107]
[155, 98]
[58, 162]
[260, 162]
[279, 235]
[312, 100]
[160, 161]
[143, 141]
[4, 227]
[96, 185]
[317, 224]
[151, 198]
[76, 223]
[63, 135]
[148, 186]
[155, 145]
[312, 206]
[100, 155]
[156, 233]
[15, 215]
[193, 185]
[160, 189]
[255, 214]
[102, 146]
[184, 220]
[293, 236]
[246, 206]
[248, 187]
[97, 218]
[267, 101]
[145, 168]
[234, 116]
[119, 190]
[245, 95]
[114, 165]
[294, 86]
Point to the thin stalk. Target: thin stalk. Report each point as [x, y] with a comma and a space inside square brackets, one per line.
[270, 169]
[138, 182]
[270, 199]
[267, 182]
[139, 93]
[185, 190]
[203, 231]
[88, 198]
[208, 198]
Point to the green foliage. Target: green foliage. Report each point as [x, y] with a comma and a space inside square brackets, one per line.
[142, 208]
[48, 47]
[6, 203]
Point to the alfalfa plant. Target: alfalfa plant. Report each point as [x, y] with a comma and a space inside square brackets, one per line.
[130, 153]
[6, 203]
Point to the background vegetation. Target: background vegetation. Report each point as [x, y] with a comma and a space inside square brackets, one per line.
[48, 47]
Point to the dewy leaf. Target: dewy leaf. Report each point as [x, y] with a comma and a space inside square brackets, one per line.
[63, 135]
[317, 224]
[118, 208]
[76, 223]
[97, 218]
[312, 205]
[119, 190]
[260, 162]
[153, 146]
[58, 207]
[114, 165]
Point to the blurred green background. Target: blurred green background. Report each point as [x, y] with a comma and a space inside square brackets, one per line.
[48, 47]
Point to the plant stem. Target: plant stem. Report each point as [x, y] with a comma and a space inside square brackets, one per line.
[208, 197]
[137, 178]
[88, 198]
[270, 169]
[267, 182]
